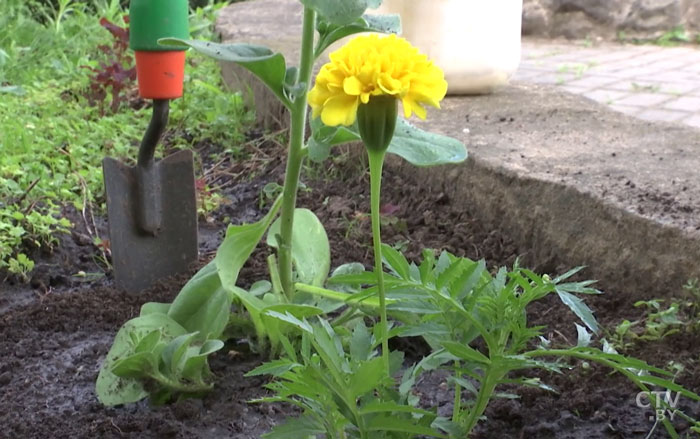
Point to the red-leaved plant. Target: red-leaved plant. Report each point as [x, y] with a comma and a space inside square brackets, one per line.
[116, 73]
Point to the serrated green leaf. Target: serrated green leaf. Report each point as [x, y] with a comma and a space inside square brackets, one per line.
[422, 148]
[302, 427]
[584, 337]
[396, 262]
[367, 377]
[391, 406]
[465, 352]
[310, 247]
[394, 423]
[424, 329]
[580, 309]
[464, 383]
[360, 343]
[289, 318]
[267, 65]
[274, 368]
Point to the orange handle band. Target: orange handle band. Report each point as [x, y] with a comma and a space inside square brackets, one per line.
[160, 74]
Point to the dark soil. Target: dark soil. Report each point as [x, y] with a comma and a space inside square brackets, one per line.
[55, 332]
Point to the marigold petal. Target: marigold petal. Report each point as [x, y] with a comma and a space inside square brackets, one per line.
[352, 86]
[340, 110]
[372, 66]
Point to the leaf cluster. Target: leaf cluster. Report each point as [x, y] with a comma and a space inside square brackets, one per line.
[163, 352]
[343, 393]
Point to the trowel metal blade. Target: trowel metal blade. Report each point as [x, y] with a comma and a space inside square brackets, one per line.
[140, 259]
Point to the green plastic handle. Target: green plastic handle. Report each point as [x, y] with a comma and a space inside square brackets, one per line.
[151, 20]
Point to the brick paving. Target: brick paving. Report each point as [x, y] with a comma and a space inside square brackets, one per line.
[646, 81]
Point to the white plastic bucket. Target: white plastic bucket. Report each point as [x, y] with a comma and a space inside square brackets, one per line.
[475, 42]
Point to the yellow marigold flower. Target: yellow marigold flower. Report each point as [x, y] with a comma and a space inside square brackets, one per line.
[371, 66]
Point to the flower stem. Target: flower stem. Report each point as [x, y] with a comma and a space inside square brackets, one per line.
[376, 162]
[295, 155]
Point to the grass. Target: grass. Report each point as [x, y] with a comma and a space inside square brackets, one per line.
[53, 141]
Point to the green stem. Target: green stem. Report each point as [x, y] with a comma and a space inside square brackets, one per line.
[337, 295]
[457, 406]
[178, 387]
[295, 156]
[488, 385]
[376, 161]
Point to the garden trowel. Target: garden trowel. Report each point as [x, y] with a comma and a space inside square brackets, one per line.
[151, 207]
[152, 211]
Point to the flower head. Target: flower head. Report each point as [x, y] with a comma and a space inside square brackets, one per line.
[371, 66]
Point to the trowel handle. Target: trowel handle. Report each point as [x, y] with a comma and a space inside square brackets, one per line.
[156, 128]
[150, 212]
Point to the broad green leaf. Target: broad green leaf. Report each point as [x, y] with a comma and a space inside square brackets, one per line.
[254, 306]
[340, 11]
[267, 65]
[303, 427]
[323, 138]
[211, 346]
[135, 366]
[154, 307]
[112, 390]
[311, 251]
[330, 33]
[579, 308]
[418, 147]
[196, 365]
[422, 148]
[147, 343]
[203, 305]
[174, 352]
[239, 244]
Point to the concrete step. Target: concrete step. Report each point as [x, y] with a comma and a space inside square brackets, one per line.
[572, 182]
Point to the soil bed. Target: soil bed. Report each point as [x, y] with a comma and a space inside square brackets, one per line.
[55, 332]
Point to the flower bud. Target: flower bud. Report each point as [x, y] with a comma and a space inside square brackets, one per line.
[376, 121]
